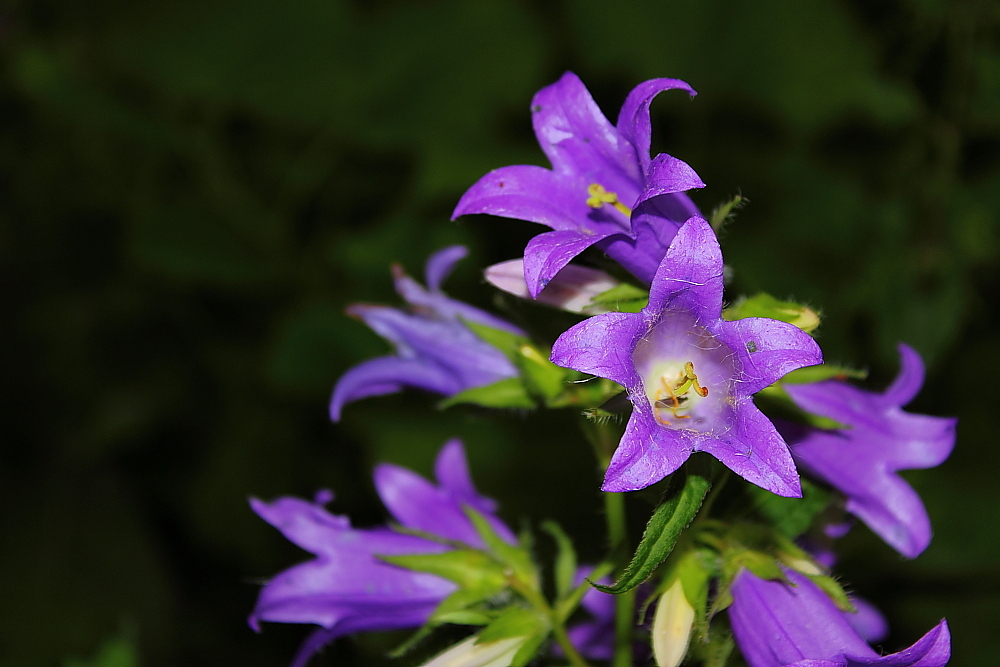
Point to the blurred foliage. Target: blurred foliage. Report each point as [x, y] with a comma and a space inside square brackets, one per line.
[191, 192]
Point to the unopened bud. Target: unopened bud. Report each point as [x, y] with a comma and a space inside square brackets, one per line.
[470, 654]
[571, 289]
[672, 626]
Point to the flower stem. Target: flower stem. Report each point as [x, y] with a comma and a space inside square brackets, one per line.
[574, 657]
[614, 510]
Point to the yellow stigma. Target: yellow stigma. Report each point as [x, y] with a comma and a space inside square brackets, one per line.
[599, 197]
[673, 396]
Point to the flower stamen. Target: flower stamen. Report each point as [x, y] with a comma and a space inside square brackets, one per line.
[600, 196]
[673, 397]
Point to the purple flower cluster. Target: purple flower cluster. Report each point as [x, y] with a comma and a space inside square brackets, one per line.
[346, 588]
[435, 350]
[861, 460]
[603, 189]
[689, 373]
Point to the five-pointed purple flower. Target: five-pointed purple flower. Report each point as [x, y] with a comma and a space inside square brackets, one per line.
[861, 461]
[602, 189]
[435, 350]
[795, 624]
[346, 588]
[690, 374]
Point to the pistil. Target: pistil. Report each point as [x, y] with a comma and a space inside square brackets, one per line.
[599, 196]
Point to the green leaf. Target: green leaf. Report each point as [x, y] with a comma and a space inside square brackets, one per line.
[565, 565]
[790, 516]
[470, 569]
[662, 531]
[624, 298]
[517, 558]
[507, 393]
[765, 305]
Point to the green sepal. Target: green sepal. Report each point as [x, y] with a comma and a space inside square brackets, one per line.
[565, 565]
[761, 564]
[765, 305]
[695, 571]
[821, 372]
[623, 298]
[717, 650]
[664, 527]
[518, 622]
[470, 569]
[790, 516]
[516, 558]
[723, 213]
[539, 377]
[514, 621]
[507, 393]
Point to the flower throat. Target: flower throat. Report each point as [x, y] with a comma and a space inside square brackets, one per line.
[673, 396]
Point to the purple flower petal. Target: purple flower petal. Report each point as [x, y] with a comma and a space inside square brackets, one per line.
[579, 140]
[440, 264]
[757, 453]
[867, 621]
[633, 119]
[668, 175]
[862, 460]
[768, 350]
[690, 275]
[778, 624]
[535, 194]
[387, 375]
[646, 454]
[601, 346]
[654, 224]
[418, 504]
[546, 254]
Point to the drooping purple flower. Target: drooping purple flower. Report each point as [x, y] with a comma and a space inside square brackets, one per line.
[602, 189]
[346, 588]
[690, 374]
[435, 350]
[778, 624]
[861, 461]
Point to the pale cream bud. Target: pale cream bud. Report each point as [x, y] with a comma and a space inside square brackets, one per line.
[571, 289]
[468, 653]
[672, 627]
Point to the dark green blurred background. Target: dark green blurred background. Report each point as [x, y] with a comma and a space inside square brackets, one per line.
[192, 191]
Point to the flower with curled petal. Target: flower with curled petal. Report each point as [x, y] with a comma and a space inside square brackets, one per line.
[346, 588]
[435, 350]
[795, 624]
[602, 189]
[690, 374]
[862, 460]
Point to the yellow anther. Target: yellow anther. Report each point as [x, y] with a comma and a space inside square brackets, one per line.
[672, 397]
[599, 197]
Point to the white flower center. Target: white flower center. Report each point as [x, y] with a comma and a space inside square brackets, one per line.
[686, 375]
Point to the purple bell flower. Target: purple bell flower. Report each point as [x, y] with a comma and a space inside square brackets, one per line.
[778, 624]
[602, 189]
[435, 351]
[690, 374]
[346, 588]
[861, 461]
